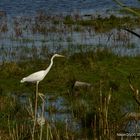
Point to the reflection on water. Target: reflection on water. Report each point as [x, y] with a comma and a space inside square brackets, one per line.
[133, 126]
[55, 111]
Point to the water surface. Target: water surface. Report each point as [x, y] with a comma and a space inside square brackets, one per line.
[29, 7]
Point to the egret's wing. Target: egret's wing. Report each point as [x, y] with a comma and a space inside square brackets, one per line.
[37, 76]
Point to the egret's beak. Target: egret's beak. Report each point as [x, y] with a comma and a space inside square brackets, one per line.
[61, 56]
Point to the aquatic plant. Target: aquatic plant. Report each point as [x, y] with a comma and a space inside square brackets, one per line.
[129, 9]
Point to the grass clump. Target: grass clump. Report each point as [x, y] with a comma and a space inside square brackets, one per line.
[104, 24]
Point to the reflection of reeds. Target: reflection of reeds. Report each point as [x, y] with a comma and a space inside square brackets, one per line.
[4, 28]
[41, 119]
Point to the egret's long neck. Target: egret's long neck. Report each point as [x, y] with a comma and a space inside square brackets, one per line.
[48, 69]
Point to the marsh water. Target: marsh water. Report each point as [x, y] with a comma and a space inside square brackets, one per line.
[19, 21]
[18, 48]
[29, 7]
[57, 111]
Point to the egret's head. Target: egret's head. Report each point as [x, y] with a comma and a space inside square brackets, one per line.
[23, 80]
[58, 55]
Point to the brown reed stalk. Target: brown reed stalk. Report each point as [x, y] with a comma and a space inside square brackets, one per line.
[104, 131]
[129, 9]
[94, 128]
[135, 93]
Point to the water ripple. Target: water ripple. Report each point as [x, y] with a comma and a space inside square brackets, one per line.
[16, 7]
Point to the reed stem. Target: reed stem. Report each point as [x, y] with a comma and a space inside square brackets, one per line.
[35, 112]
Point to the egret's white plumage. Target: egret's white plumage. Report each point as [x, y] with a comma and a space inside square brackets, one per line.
[39, 76]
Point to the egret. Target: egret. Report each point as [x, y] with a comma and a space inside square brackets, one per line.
[40, 75]
[36, 78]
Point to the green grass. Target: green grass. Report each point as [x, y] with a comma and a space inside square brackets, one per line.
[101, 24]
[89, 67]
[102, 69]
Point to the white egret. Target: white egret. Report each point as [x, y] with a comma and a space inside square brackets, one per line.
[37, 77]
[40, 75]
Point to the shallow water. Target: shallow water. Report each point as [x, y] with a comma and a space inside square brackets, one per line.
[29, 7]
[17, 48]
[31, 45]
[64, 116]
[61, 113]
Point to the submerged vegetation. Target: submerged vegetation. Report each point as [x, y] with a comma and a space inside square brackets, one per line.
[96, 111]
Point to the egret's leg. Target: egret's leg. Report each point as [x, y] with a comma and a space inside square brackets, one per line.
[42, 116]
[35, 111]
[36, 99]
